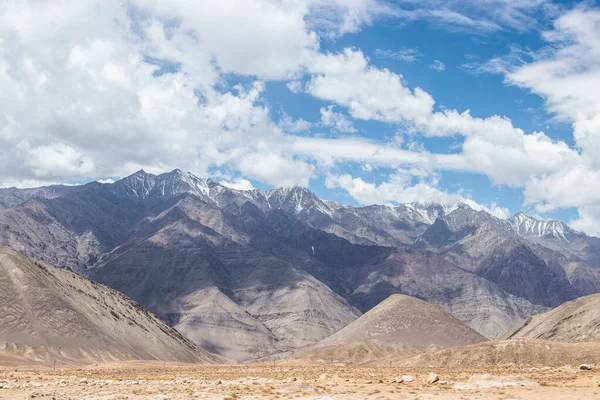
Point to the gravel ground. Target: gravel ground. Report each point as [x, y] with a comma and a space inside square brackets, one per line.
[151, 380]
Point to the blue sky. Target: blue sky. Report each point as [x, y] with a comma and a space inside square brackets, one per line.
[410, 50]
[489, 102]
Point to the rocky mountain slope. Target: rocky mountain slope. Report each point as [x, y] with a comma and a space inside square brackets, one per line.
[251, 273]
[558, 236]
[574, 321]
[10, 197]
[52, 312]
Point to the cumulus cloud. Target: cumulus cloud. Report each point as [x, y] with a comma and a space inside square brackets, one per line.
[368, 92]
[566, 75]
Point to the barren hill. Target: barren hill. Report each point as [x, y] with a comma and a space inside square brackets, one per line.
[574, 321]
[519, 352]
[51, 314]
[407, 320]
[399, 327]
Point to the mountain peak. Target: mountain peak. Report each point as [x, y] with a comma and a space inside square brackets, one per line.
[138, 173]
[526, 225]
[297, 199]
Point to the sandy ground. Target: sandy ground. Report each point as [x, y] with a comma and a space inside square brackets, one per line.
[151, 380]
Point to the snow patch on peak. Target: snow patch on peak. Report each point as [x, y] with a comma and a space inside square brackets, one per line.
[428, 212]
[526, 225]
[296, 199]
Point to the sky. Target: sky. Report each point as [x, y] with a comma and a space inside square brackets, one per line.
[495, 103]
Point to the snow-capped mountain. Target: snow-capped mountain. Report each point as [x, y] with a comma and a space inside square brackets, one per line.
[528, 226]
[219, 263]
[297, 199]
[558, 236]
[143, 185]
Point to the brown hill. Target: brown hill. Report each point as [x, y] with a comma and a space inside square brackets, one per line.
[399, 327]
[51, 314]
[407, 320]
[519, 352]
[574, 321]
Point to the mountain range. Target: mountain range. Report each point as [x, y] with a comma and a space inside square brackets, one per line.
[250, 273]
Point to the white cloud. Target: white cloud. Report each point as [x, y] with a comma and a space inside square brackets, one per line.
[58, 160]
[437, 65]
[102, 103]
[588, 220]
[477, 17]
[276, 169]
[294, 86]
[256, 37]
[95, 106]
[338, 17]
[400, 189]
[368, 92]
[404, 54]
[336, 120]
[288, 124]
[492, 146]
[566, 74]
[107, 180]
[238, 184]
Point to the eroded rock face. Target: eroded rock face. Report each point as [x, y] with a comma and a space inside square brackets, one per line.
[251, 273]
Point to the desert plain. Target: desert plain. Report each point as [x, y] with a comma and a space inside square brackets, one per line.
[157, 380]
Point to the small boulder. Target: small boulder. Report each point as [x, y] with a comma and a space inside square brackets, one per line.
[585, 367]
[433, 378]
[407, 378]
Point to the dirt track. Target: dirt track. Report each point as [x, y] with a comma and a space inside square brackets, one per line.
[145, 380]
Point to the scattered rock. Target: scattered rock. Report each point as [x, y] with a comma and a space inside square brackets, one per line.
[433, 378]
[585, 367]
[407, 378]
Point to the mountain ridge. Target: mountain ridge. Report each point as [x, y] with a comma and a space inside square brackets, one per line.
[287, 267]
[277, 197]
